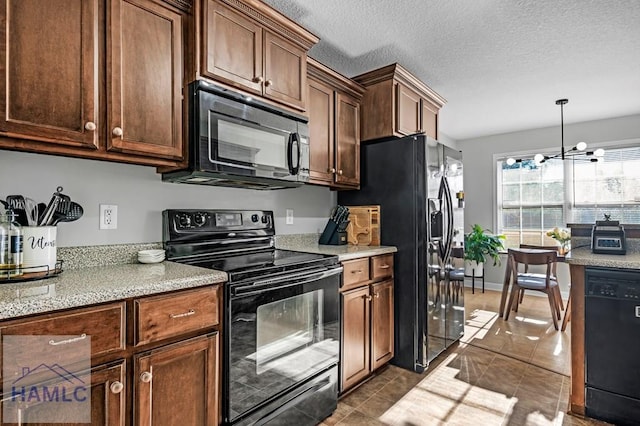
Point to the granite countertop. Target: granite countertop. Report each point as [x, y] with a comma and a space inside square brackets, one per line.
[586, 258]
[99, 284]
[309, 243]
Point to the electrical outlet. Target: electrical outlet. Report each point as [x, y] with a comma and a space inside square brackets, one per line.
[289, 217]
[108, 216]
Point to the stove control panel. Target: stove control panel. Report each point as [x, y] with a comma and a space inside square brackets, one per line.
[202, 223]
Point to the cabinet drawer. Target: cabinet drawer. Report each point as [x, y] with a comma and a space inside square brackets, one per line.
[159, 317]
[382, 266]
[104, 325]
[355, 272]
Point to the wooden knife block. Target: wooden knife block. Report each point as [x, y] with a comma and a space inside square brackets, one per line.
[364, 226]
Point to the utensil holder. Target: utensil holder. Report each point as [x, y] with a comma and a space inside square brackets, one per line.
[39, 248]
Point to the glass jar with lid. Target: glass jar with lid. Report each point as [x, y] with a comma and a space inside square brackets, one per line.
[11, 246]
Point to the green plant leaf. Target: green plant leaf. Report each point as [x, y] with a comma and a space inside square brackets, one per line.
[481, 243]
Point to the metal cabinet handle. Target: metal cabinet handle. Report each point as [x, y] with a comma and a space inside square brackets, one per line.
[72, 340]
[332, 170]
[116, 387]
[384, 266]
[369, 298]
[268, 83]
[376, 295]
[258, 79]
[145, 377]
[90, 126]
[117, 131]
[340, 172]
[184, 314]
[358, 271]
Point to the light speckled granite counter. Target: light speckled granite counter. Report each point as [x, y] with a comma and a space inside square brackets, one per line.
[87, 286]
[309, 243]
[586, 258]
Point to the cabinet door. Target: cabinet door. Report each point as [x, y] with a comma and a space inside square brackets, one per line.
[231, 48]
[108, 401]
[144, 79]
[347, 140]
[285, 71]
[178, 384]
[49, 71]
[321, 130]
[355, 360]
[382, 324]
[429, 119]
[407, 110]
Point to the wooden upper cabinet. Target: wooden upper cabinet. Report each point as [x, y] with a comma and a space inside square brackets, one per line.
[397, 104]
[321, 132]
[233, 48]
[334, 125]
[250, 46]
[407, 110]
[97, 79]
[347, 140]
[49, 71]
[145, 79]
[285, 71]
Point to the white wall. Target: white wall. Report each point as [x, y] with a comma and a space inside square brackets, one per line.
[478, 153]
[141, 196]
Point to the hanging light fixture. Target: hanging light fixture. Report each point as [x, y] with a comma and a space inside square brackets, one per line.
[579, 149]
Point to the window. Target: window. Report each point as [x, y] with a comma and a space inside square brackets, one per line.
[530, 201]
[533, 198]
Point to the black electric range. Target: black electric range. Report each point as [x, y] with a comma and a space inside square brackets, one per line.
[281, 329]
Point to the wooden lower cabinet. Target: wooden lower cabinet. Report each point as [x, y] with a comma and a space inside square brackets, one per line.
[356, 332]
[178, 384]
[367, 321]
[381, 323]
[108, 400]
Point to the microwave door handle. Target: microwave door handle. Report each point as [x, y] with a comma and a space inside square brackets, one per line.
[293, 137]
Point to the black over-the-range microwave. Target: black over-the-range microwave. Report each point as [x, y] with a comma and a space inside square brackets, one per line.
[236, 140]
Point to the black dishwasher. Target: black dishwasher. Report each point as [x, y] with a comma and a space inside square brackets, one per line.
[612, 345]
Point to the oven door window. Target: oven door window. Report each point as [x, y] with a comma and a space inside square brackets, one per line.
[243, 144]
[279, 338]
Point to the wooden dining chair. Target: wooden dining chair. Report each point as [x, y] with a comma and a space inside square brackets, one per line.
[553, 272]
[546, 283]
[456, 273]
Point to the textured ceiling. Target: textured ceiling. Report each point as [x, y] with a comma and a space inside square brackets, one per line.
[501, 64]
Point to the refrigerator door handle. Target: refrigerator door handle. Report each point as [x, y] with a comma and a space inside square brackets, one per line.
[449, 216]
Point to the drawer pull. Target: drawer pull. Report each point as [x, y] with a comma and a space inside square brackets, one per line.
[116, 387]
[146, 377]
[384, 266]
[359, 271]
[72, 340]
[184, 314]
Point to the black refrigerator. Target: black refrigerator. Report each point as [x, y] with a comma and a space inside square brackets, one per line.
[418, 184]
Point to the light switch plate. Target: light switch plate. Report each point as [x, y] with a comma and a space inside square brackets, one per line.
[289, 217]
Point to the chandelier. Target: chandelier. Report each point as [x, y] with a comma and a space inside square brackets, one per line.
[579, 150]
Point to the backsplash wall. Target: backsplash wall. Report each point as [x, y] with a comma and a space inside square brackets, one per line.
[141, 196]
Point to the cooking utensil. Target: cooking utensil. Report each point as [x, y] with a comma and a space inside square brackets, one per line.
[40, 208]
[15, 202]
[31, 210]
[67, 212]
[56, 198]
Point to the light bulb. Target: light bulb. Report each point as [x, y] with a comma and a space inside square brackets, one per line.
[581, 146]
[511, 161]
[538, 158]
[599, 152]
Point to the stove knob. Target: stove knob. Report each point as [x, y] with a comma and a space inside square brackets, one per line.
[255, 218]
[200, 219]
[265, 219]
[185, 221]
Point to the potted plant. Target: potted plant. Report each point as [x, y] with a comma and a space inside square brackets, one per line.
[478, 245]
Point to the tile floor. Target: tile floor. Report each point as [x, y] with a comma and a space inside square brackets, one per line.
[512, 372]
